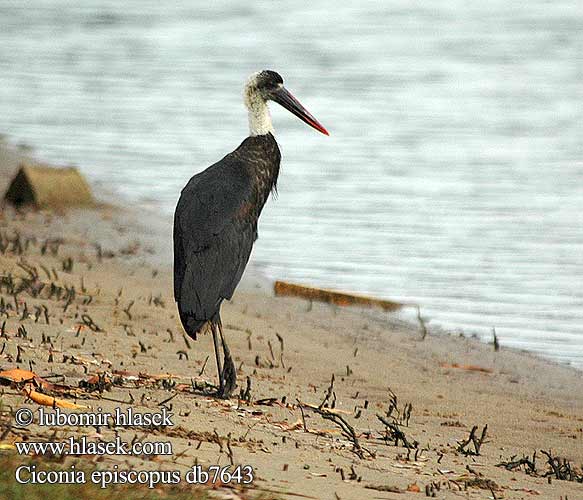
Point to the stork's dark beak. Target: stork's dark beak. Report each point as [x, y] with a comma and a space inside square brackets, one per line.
[284, 98]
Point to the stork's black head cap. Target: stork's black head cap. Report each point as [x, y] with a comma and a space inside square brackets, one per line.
[268, 79]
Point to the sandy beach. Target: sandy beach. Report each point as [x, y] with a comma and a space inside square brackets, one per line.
[389, 426]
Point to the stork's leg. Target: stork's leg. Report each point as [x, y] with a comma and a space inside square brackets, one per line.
[218, 356]
[229, 376]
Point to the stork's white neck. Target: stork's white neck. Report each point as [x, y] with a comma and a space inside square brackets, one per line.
[259, 116]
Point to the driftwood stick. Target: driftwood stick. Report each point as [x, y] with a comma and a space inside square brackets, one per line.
[473, 439]
[394, 432]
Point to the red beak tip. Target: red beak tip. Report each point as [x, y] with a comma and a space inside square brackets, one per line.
[321, 129]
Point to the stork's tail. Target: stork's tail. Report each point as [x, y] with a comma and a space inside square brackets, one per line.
[194, 326]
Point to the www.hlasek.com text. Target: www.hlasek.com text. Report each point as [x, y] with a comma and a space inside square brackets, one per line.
[83, 446]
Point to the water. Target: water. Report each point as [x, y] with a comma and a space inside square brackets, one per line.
[453, 177]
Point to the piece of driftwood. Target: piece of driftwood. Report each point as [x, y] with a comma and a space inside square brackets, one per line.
[282, 288]
[43, 186]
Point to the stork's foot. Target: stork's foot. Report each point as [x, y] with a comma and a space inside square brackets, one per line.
[228, 376]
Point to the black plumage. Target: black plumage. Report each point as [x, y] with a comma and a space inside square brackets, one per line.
[215, 226]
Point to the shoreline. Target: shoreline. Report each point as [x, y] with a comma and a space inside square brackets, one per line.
[154, 233]
[289, 352]
[155, 230]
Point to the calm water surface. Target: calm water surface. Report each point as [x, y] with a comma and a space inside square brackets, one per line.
[453, 177]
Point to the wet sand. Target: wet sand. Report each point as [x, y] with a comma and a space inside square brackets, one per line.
[122, 322]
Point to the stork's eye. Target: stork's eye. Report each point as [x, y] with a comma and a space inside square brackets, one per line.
[269, 80]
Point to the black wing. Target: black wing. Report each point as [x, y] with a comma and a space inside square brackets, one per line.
[212, 239]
